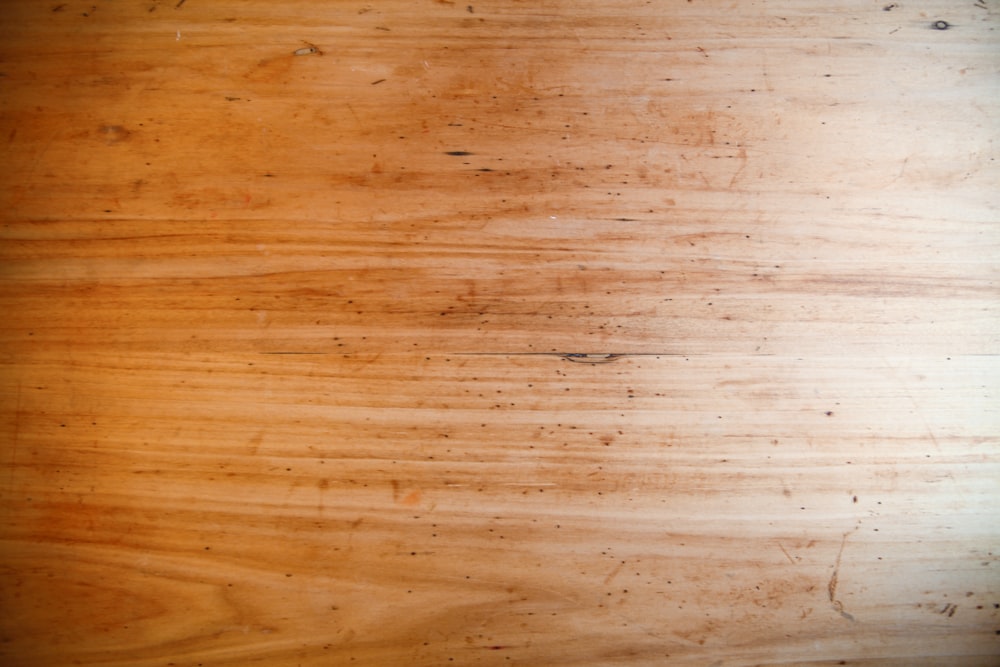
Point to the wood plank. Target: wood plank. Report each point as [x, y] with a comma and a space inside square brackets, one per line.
[323, 508]
[295, 296]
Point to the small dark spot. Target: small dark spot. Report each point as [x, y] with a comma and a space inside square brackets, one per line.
[940, 25]
[890, 7]
[855, 499]
[457, 153]
[469, 9]
[829, 413]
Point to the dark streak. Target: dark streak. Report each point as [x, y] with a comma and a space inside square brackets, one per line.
[293, 352]
[577, 354]
[457, 153]
[378, 81]
[179, 4]
[579, 358]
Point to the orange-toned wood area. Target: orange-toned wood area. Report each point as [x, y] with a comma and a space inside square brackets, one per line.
[554, 332]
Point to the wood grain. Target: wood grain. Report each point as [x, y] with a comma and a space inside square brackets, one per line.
[295, 296]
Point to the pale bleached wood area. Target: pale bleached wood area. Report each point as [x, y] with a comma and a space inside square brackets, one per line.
[506, 333]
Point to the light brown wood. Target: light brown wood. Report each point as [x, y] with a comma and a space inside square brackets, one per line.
[296, 295]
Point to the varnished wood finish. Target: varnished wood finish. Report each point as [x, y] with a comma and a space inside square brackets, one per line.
[294, 295]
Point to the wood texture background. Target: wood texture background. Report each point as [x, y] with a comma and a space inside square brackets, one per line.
[290, 292]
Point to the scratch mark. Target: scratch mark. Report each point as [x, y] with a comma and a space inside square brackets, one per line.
[743, 165]
[356, 119]
[902, 169]
[913, 401]
[831, 587]
[790, 559]
[614, 573]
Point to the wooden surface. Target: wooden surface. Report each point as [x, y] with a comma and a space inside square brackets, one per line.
[291, 293]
